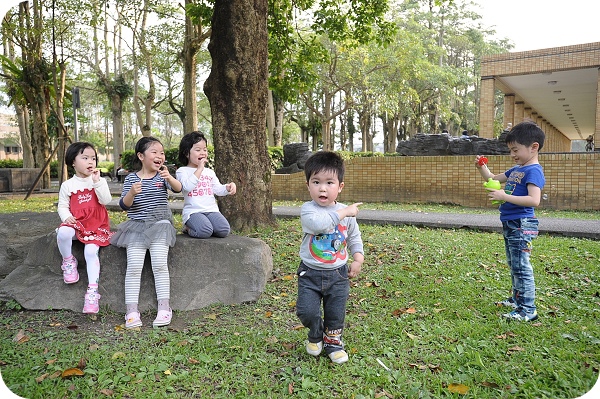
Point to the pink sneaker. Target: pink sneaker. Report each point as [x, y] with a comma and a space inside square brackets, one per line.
[163, 318]
[133, 320]
[70, 273]
[91, 302]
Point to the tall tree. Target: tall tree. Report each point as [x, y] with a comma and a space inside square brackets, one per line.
[35, 85]
[237, 91]
[13, 73]
[197, 17]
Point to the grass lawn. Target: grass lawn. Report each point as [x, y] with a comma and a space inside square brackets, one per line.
[421, 323]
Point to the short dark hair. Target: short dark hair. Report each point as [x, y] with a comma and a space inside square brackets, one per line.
[141, 146]
[77, 148]
[526, 133]
[324, 161]
[186, 144]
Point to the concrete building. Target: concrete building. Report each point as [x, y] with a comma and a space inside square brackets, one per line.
[555, 87]
[10, 142]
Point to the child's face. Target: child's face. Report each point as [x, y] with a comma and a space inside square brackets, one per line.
[198, 152]
[153, 158]
[324, 187]
[85, 163]
[521, 154]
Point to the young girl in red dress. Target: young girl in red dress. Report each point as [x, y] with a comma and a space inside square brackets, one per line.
[81, 207]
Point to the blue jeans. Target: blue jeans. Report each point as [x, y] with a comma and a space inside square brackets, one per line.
[205, 225]
[332, 287]
[518, 234]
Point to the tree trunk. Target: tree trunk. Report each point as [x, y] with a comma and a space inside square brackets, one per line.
[116, 108]
[278, 132]
[23, 122]
[35, 85]
[237, 91]
[270, 119]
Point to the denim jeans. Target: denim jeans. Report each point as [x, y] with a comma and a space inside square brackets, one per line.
[518, 234]
[332, 287]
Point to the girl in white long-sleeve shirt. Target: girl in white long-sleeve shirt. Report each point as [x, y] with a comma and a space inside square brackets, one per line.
[200, 215]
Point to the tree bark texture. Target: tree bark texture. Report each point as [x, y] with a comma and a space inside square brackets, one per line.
[237, 91]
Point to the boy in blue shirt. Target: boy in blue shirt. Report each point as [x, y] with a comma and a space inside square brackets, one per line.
[522, 193]
[331, 234]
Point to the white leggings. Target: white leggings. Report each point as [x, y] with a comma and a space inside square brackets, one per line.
[64, 238]
[135, 263]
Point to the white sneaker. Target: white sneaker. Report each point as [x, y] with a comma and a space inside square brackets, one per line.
[339, 357]
[314, 348]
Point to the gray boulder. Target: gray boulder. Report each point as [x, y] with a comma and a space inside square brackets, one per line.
[227, 270]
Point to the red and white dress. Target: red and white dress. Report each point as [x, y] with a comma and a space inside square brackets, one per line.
[86, 200]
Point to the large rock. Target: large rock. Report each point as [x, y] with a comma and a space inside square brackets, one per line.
[227, 270]
[443, 144]
[17, 233]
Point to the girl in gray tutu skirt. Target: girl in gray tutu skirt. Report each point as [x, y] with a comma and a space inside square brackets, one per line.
[149, 226]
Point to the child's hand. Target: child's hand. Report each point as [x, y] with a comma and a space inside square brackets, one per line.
[354, 270]
[96, 175]
[202, 163]
[70, 220]
[136, 188]
[352, 210]
[164, 172]
[497, 195]
[231, 188]
[480, 161]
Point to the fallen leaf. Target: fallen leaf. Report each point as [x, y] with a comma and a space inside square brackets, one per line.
[106, 392]
[458, 388]
[167, 372]
[41, 378]
[82, 363]
[183, 343]
[20, 337]
[51, 361]
[72, 372]
[298, 327]
[291, 388]
[490, 384]
[288, 277]
[268, 314]
[193, 361]
[118, 355]
[54, 375]
[211, 316]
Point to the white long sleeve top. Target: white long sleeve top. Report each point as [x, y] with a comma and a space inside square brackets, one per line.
[199, 193]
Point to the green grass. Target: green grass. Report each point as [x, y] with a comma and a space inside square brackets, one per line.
[423, 305]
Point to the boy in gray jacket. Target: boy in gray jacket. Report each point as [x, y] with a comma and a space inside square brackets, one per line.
[331, 234]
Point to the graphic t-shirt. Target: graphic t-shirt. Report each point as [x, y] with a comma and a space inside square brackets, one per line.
[518, 179]
[328, 241]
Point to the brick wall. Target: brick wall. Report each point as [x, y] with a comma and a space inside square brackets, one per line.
[572, 180]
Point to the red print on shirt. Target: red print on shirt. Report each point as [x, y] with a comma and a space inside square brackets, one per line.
[204, 187]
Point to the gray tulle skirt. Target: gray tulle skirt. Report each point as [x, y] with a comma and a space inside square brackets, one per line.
[158, 228]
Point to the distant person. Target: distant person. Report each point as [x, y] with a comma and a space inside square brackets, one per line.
[82, 208]
[464, 135]
[331, 235]
[521, 194]
[121, 171]
[445, 131]
[149, 227]
[201, 217]
[589, 145]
